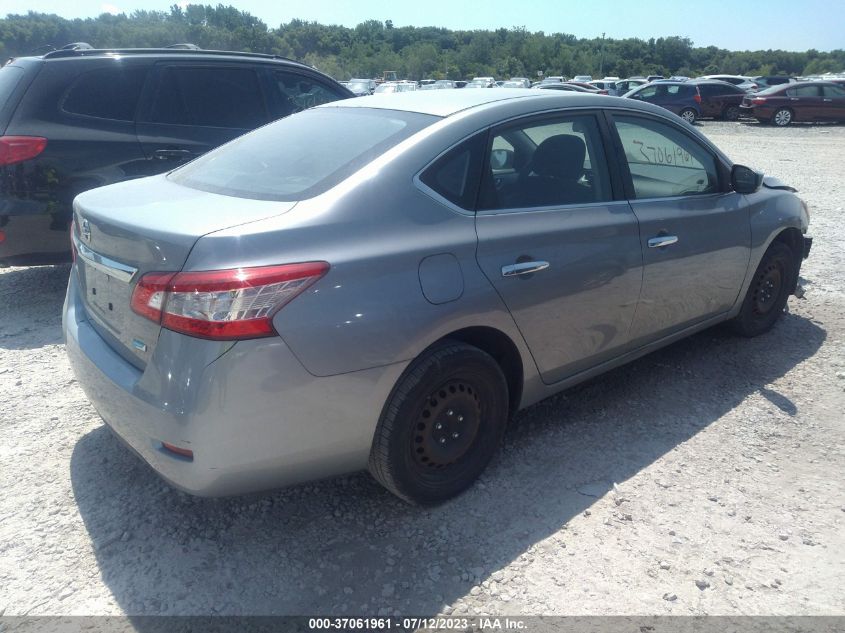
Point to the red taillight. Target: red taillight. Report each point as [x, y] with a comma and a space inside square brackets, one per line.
[697, 97]
[758, 100]
[223, 304]
[149, 294]
[16, 149]
[2, 236]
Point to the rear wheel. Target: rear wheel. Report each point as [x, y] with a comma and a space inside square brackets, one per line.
[766, 297]
[731, 113]
[688, 115]
[442, 424]
[782, 117]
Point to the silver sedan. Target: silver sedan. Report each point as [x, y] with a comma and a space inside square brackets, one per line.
[382, 282]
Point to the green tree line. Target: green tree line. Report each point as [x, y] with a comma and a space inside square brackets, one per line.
[414, 52]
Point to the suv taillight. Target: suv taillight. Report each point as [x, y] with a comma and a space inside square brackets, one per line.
[16, 149]
[232, 304]
[697, 96]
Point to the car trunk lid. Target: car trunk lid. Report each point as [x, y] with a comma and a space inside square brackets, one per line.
[126, 230]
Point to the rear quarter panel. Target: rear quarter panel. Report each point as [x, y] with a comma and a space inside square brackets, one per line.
[374, 229]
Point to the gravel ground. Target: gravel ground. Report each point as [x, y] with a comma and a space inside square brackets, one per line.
[706, 478]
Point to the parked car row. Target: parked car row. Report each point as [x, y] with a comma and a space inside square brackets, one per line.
[254, 271]
[780, 104]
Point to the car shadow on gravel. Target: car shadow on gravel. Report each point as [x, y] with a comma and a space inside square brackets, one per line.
[31, 306]
[346, 546]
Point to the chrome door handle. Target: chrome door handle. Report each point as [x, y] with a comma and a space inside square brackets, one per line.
[662, 240]
[523, 268]
[827, 100]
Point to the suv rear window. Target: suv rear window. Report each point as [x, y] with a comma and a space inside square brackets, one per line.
[106, 93]
[9, 78]
[209, 96]
[300, 156]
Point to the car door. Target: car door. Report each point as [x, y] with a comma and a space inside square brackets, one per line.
[695, 233]
[192, 107]
[805, 101]
[833, 103]
[556, 243]
[711, 100]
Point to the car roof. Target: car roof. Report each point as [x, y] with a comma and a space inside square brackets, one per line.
[444, 104]
[162, 53]
[718, 82]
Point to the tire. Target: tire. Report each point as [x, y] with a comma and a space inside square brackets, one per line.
[766, 297]
[731, 113]
[689, 115]
[782, 117]
[418, 453]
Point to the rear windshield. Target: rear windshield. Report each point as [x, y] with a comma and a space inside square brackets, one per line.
[300, 156]
[9, 78]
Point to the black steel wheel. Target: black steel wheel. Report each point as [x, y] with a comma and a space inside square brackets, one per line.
[441, 425]
[769, 290]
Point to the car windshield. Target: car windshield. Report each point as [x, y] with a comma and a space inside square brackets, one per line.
[302, 155]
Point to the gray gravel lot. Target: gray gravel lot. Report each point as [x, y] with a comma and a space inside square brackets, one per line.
[706, 478]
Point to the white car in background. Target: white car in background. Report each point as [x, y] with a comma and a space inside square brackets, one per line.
[740, 81]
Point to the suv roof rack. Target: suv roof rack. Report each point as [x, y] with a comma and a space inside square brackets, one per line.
[181, 50]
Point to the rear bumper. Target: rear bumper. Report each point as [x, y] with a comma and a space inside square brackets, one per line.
[254, 417]
[757, 112]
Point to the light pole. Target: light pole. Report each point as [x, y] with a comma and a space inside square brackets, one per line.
[601, 63]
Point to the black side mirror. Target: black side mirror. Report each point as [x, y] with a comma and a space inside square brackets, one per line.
[501, 159]
[745, 180]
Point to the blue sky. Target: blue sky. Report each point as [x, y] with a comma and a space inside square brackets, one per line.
[732, 24]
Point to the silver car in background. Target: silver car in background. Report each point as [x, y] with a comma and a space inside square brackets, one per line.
[382, 282]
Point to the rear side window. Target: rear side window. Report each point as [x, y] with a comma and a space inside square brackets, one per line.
[833, 91]
[803, 91]
[300, 156]
[208, 96]
[455, 176]
[106, 93]
[10, 76]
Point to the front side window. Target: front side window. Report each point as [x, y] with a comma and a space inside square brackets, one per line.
[106, 93]
[297, 93]
[208, 96]
[663, 161]
[648, 93]
[302, 155]
[552, 162]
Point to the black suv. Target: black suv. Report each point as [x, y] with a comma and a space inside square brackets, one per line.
[72, 120]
